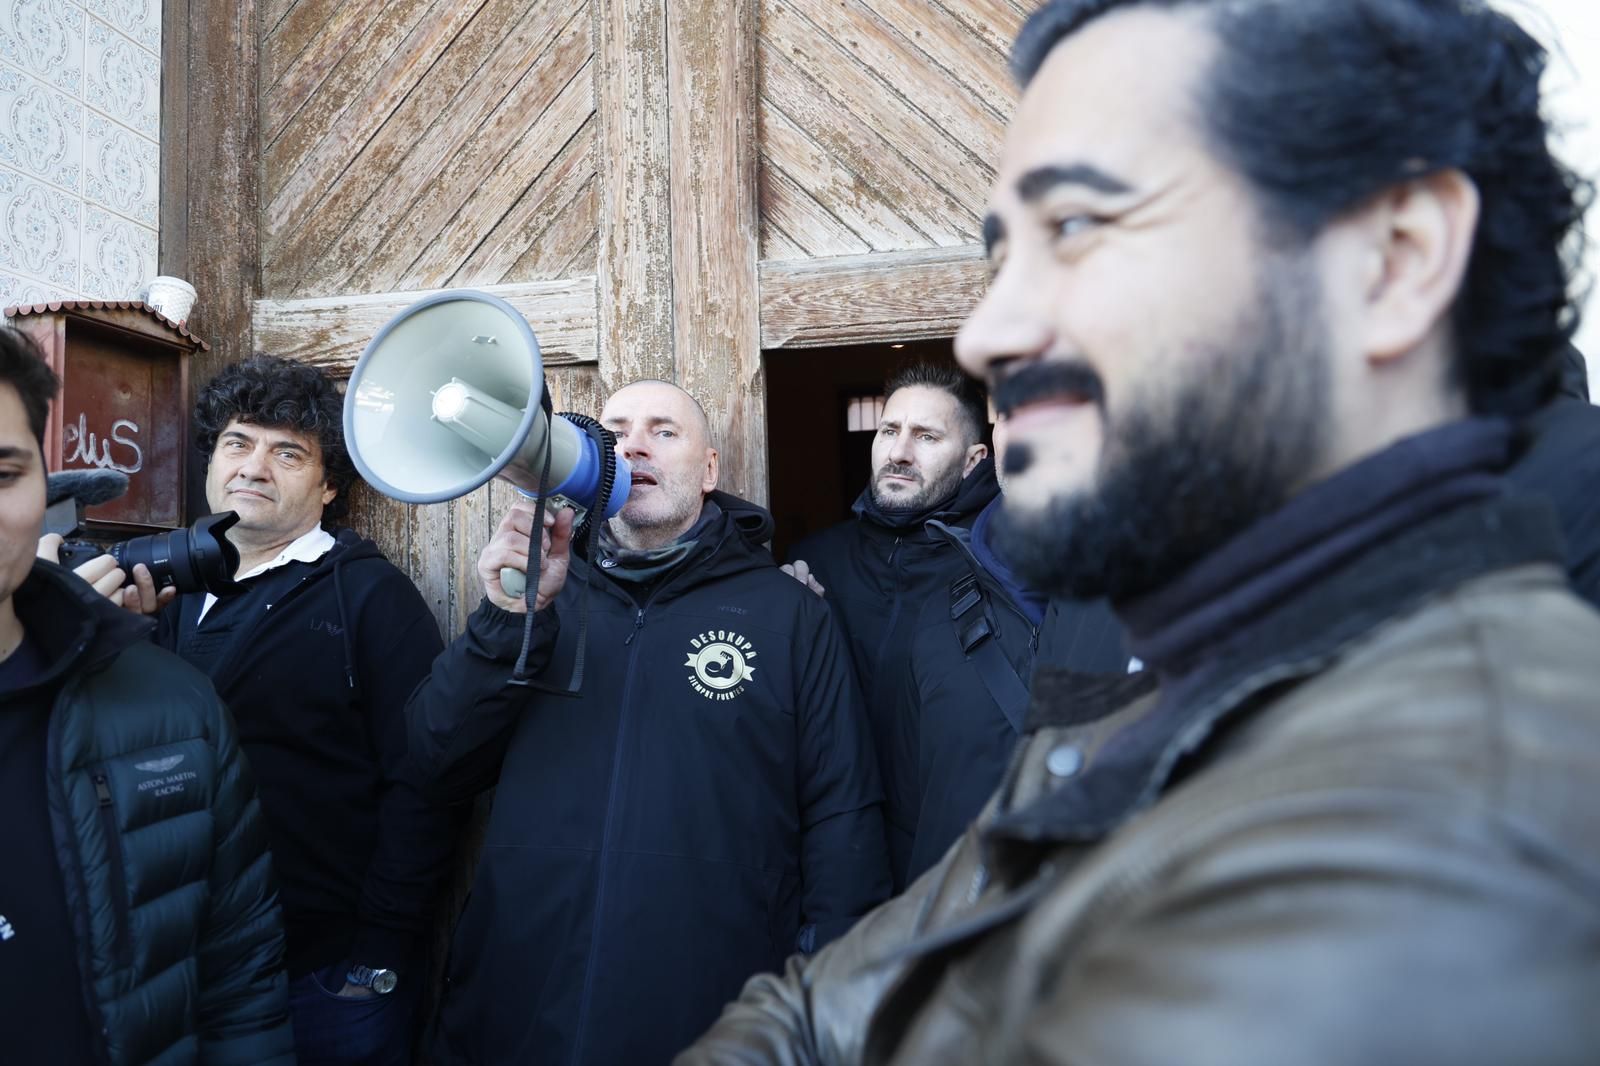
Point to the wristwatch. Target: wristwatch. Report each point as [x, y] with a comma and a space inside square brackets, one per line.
[380, 981]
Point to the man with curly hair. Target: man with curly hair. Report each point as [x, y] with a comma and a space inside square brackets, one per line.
[315, 656]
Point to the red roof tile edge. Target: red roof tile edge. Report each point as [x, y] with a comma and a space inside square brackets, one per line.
[102, 305]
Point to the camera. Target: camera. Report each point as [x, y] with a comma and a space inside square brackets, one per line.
[197, 559]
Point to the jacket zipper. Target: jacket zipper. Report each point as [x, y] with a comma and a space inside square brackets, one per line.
[605, 839]
[119, 884]
[80, 919]
[888, 629]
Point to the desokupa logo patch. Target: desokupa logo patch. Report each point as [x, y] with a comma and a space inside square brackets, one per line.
[720, 664]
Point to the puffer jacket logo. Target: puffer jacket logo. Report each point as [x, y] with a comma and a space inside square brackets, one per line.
[142, 790]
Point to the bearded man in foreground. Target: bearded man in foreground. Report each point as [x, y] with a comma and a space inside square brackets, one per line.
[1258, 329]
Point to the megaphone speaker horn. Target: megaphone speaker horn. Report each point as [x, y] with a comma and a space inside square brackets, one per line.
[450, 394]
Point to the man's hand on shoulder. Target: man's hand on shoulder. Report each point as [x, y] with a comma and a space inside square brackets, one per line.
[111, 581]
[508, 549]
[800, 570]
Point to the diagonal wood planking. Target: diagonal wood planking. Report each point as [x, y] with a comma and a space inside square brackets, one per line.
[536, 150]
[881, 122]
[314, 151]
[415, 144]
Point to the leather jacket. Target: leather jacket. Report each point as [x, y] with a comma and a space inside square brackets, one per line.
[1370, 838]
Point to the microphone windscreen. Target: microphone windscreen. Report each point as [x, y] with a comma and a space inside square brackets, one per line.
[88, 487]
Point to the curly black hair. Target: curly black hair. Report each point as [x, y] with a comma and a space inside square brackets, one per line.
[1321, 104]
[22, 366]
[281, 394]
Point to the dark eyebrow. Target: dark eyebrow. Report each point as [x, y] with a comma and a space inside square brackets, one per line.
[9, 452]
[282, 442]
[994, 231]
[1039, 181]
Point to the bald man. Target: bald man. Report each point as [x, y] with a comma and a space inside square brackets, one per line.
[706, 806]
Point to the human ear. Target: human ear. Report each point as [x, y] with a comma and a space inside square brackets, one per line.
[1420, 242]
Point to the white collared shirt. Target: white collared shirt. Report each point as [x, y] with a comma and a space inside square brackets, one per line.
[306, 548]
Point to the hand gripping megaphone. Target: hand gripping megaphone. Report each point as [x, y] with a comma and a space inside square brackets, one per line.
[451, 393]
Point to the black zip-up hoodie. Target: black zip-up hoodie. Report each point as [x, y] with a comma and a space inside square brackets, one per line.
[878, 571]
[707, 806]
[316, 661]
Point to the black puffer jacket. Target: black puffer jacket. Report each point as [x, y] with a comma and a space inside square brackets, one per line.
[160, 838]
[707, 807]
[1562, 463]
[877, 577]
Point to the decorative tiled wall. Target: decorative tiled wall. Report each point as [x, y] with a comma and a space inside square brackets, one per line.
[80, 129]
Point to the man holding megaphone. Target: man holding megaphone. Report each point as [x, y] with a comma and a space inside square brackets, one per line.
[706, 805]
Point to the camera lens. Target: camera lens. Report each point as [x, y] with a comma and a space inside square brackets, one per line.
[197, 559]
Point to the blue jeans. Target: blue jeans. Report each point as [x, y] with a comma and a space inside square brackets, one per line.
[335, 1030]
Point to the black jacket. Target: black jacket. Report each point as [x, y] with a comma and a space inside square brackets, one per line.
[953, 731]
[160, 840]
[1562, 463]
[877, 578]
[706, 808]
[318, 685]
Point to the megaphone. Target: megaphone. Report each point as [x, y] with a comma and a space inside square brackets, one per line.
[450, 394]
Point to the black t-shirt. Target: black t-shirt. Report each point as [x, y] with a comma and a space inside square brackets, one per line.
[42, 1012]
[23, 669]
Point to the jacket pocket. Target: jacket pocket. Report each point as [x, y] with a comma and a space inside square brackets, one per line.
[117, 874]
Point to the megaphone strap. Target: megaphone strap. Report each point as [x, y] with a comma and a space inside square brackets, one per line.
[530, 587]
[606, 443]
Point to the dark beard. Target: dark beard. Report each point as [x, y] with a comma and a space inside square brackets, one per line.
[929, 494]
[1177, 483]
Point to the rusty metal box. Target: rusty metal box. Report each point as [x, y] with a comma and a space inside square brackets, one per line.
[123, 405]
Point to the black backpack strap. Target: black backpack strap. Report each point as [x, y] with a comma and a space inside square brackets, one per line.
[969, 610]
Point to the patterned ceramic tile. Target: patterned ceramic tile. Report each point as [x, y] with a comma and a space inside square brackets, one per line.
[121, 170]
[119, 257]
[139, 19]
[124, 80]
[17, 289]
[41, 130]
[45, 38]
[38, 229]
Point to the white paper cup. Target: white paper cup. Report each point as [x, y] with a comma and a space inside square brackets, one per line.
[173, 297]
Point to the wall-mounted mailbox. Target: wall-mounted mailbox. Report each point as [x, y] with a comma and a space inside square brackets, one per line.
[123, 405]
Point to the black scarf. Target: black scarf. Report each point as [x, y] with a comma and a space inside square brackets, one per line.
[1177, 629]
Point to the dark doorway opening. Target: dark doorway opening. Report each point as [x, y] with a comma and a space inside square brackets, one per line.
[822, 413]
